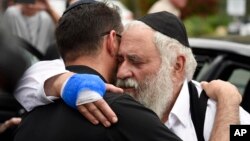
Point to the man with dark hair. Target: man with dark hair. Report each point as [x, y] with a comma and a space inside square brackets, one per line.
[88, 39]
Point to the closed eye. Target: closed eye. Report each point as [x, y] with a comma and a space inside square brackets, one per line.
[120, 59]
[134, 59]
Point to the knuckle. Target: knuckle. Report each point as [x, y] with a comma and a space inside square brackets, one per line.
[82, 110]
[101, 103]
[93, 109]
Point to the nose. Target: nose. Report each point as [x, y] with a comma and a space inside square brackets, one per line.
[124, 71]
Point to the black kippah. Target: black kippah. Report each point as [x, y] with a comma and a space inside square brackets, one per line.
[167, 24]
[78, 3]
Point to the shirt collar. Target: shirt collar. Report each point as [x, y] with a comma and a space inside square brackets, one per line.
[181, 108]
[84, 69]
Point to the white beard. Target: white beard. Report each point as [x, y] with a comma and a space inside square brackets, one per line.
[155, 92]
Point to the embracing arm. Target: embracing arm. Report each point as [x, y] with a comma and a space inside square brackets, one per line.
[90, 104]
[228, 101]
[43, 81]
[30, 89]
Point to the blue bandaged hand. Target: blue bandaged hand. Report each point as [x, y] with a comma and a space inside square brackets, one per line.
[78, 83]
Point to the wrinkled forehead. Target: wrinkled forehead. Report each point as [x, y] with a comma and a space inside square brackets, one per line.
[137, 39]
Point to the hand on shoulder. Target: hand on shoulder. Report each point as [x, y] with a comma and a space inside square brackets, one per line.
[223, 91]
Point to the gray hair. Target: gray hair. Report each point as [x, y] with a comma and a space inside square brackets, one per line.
[170, 48]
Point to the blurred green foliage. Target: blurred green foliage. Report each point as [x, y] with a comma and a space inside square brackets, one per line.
[201, 17]
[206, 25]
[139, 7]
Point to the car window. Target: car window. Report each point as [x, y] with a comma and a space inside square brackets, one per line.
[203, 62]
[222, 60]
[201, 71]
[240, 78]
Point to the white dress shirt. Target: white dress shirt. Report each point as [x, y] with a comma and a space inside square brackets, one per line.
[180, 122]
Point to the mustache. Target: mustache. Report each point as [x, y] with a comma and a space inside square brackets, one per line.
[127, 83]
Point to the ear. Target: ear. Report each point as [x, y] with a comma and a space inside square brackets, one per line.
[179, 66]
[112, 44]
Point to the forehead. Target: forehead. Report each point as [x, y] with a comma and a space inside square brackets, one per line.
[138, 40]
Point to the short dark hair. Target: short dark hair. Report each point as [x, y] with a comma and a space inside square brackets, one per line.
[79, 31]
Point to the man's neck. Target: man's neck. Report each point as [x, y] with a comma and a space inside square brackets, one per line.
[94, 63]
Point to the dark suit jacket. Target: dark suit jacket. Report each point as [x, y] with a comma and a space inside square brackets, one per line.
[58, 122]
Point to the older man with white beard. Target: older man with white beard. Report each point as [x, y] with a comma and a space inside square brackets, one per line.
[151, 89]
[155, 66]
[157, 71]
[153, 69]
